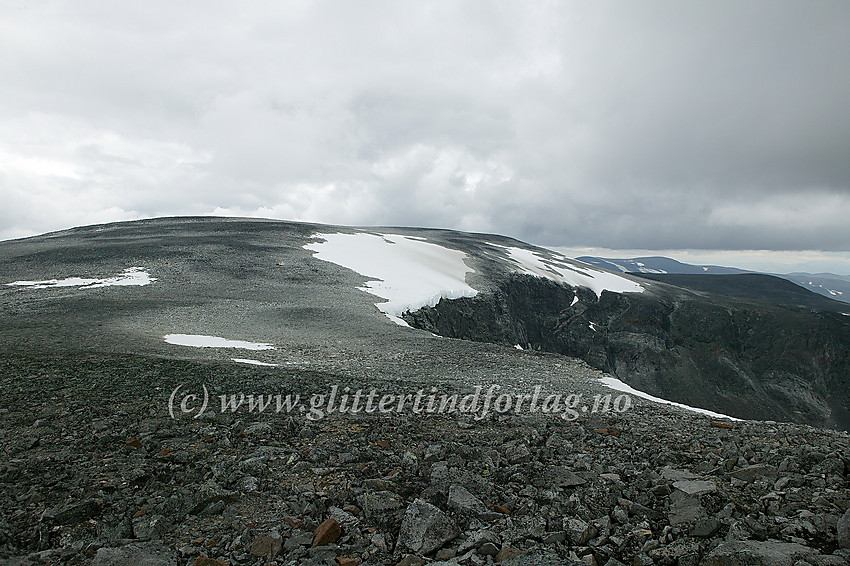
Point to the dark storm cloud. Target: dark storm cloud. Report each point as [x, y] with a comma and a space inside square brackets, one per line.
[650, 125]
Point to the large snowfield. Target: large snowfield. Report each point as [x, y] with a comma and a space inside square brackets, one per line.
[409, 273]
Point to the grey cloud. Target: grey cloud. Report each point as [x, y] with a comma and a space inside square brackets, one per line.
[623, 125]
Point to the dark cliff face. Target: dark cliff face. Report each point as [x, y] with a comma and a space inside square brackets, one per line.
[744, 358]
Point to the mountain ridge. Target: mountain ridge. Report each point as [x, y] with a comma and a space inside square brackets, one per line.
[829, 285]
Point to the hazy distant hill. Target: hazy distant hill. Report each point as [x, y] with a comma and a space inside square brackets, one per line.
[754, 286]
[827, 284]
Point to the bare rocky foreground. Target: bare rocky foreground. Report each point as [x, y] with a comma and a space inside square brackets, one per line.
[93, 470]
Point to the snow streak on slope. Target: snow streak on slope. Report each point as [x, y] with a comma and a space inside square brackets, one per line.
[617, 385]
[203, 341]
[132, 276]
[253, 362]
[410, 273]
[559, 268]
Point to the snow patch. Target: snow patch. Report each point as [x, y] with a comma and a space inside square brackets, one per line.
[252, 362]
[132, 276]
[617, 385]
[518, 347]
[409, 272]
[559, 268]
[202, 341]
[575, 300]
[592, 326]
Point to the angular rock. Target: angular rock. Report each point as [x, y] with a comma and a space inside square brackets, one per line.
[755, 553]
[463, 501]
[537, 557]
[685, 510]
[578, 531]
[345, 519]
[257, 430]
[264, 545]
[297, 539]
[206, 494]
[137, 554]
[478, 539]
[426, 528]
[560, 476]
[706, 527]
[752, 473]
[379, 503]
[327, 533]
[150, 526]
[673, 474]
[506, 553]
[75, 512]
[518, 453]
[695, 487]
[843, 529]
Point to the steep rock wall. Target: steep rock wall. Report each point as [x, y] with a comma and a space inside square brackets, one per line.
[747, 359]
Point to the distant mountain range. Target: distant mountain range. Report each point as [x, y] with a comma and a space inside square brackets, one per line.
[829, 285]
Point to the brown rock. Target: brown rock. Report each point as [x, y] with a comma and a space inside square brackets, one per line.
[292, 522]
[608, 431]
[265, 545]
[326, 533]
[133, 443]
[347, 560]
[204, 561]
[502, 510]
[412, 560]
[721, 425]
[507, 553]
[383, 444]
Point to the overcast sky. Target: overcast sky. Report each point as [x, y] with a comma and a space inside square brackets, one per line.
[651, 125]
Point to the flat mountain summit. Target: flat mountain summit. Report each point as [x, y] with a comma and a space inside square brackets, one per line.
[182, 391]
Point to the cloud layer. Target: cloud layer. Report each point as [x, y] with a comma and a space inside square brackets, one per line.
[655, 125]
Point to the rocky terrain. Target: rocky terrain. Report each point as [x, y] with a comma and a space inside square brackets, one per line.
[94, 471]
[101, 464]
